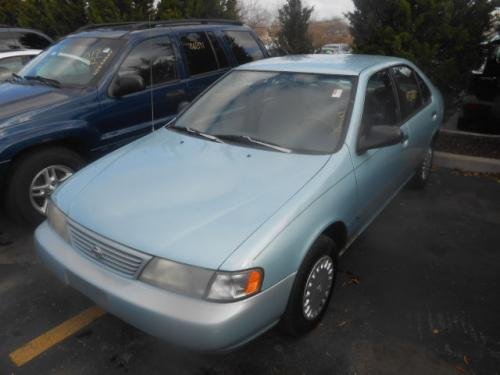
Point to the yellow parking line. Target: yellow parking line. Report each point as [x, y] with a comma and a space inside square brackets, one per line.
[54, 336]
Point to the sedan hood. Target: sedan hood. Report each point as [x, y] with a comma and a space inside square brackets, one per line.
[184, 198]
[19, 102]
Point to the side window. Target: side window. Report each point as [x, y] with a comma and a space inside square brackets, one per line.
[424, 90]
[219, 51]
[153, 58]
[408, 91]
[199, 54]
[33, 41]
[12, 64]
[244, 46]
[380, 102]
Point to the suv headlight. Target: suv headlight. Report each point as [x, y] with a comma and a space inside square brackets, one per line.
[201, 282]
[57, 220]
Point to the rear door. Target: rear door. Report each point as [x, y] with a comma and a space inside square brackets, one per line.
[417, 111]
[204, 60]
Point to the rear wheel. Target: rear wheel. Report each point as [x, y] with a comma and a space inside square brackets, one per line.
[424, 170]
[35, 176]
[312, 289]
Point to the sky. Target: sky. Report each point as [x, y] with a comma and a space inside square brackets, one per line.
[323, 9]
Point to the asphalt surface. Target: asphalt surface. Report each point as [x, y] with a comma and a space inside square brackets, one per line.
[418, 293]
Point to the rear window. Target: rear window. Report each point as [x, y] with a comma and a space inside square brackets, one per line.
[244, 46]
[22, 40]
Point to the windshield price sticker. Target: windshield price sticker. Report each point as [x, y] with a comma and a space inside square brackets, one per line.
[337, 93]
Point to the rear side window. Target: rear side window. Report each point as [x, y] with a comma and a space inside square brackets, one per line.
[244, 46]
[408, 91]
[424, 90]
[219, 51]
[199, 53]
[153, 58]
[380, 102]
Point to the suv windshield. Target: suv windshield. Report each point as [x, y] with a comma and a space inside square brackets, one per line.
[295, 111]
[73, 61]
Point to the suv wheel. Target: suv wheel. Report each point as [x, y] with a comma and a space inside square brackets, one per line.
[35, 176]
[312, 289]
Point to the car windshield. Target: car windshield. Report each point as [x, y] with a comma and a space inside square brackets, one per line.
[295, 111]
[73, 61]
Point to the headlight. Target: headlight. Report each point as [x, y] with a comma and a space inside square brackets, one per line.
[230, 286]
[177, 277]
[201, 282]
[57, 220]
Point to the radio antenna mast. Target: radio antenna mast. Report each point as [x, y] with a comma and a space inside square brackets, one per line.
[151, 94]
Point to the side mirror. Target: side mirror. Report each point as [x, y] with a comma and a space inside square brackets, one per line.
[380, 136]
[127, 85]
[182, 105]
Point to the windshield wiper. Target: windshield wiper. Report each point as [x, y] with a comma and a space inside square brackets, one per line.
[247, 139]
[210, 137]
[47, 81]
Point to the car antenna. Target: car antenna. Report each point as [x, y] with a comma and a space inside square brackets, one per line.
[151, 94]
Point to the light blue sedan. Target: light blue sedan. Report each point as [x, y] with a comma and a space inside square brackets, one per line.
[230, 219]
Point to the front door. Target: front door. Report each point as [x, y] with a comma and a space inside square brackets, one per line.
[126, 118]
[379, 172]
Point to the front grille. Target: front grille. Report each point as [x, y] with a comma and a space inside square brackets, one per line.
[117, 258]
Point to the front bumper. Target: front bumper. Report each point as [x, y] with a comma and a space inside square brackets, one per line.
[192, 323]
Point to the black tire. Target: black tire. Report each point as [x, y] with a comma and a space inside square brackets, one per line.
[23, 173]
[421, 177]
[294, 321]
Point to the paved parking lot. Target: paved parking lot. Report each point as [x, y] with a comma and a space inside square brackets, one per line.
[418, 294]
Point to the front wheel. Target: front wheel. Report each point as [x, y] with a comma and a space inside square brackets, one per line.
[312, 289]
[35, 176]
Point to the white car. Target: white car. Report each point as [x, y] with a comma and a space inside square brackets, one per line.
[13, 61]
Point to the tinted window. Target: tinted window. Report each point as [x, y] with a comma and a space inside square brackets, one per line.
[380, 102]
[219, 51]
[244, 46]
[424, 90]
[199, 54]
[408, 91]
[152, 58]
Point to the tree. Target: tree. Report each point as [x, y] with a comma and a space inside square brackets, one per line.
[54, 17]
[104, 11]
[168, 9]
[441, 36]
[293, 35]
[9, 12]
[254, 14]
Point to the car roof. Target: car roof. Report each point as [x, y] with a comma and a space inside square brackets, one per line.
[146, 29]
[342, 64]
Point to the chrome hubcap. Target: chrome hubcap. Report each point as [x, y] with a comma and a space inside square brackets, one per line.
[318, 288]
[45, 182]
[426, 165]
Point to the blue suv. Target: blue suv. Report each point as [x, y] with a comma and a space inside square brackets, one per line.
[100, 88]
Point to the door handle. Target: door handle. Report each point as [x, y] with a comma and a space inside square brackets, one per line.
[434, 116]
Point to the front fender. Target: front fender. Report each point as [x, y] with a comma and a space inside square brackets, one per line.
[16, 139]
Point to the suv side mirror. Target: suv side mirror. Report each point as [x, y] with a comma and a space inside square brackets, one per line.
[127, 85]
[380, 136]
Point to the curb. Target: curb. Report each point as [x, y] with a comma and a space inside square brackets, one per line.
[460, 132]
[466, 163]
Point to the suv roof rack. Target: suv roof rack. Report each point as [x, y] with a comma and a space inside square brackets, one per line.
[131, 26]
